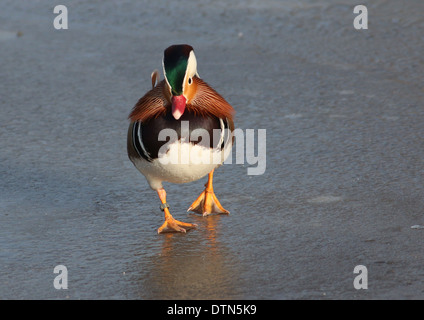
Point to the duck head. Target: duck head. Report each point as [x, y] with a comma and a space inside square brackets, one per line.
[179, 67]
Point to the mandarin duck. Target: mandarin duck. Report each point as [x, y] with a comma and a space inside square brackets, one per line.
[179, 132]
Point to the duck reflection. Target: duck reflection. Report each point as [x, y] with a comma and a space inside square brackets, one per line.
[192, 266]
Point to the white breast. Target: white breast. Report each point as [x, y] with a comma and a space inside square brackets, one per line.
[181, 162]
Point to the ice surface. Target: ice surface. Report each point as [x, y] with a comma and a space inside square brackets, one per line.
[343, 185]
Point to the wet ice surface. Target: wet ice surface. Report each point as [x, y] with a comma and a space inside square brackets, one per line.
[343, 186]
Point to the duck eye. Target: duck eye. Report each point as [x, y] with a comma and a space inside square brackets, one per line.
[189, 81]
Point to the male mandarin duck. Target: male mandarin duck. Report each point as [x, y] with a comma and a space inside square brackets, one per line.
[180, 131]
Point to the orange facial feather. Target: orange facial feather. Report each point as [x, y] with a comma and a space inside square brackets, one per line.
[202, 100]
[151, 105]
[207, 101]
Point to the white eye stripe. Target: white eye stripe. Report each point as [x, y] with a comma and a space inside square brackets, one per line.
[191, 69]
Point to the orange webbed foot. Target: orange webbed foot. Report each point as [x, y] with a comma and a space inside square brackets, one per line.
[207, 203]
[172, 225]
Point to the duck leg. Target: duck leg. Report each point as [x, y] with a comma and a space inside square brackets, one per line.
[207, 202]
[170, 224]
